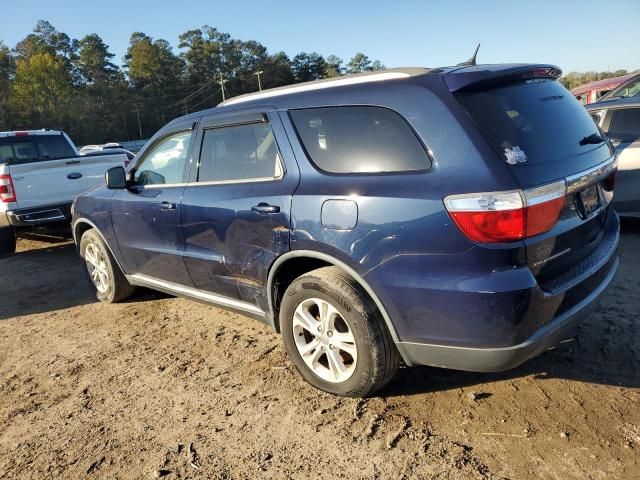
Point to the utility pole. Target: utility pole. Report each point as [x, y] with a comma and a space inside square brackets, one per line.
[259, 82]
[139, 124]
[222, 82]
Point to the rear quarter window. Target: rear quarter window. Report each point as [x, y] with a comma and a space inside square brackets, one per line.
[359, 139]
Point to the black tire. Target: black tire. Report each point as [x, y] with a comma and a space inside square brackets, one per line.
[377, 356]
[116, 286]
[7, 241]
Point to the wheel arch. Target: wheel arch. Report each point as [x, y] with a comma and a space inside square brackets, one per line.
[317, 260]
[81, 226]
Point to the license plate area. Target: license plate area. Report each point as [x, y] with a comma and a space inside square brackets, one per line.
[588, 201]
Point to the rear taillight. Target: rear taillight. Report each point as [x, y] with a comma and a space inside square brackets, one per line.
[507, 216]
[7, 192]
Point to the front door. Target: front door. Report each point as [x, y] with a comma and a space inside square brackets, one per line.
[146, 215]
[236, 208]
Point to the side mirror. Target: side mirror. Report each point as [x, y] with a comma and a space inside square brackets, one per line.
[116, 178]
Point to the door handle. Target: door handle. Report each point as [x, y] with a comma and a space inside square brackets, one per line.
[265, 208]
[167, 206]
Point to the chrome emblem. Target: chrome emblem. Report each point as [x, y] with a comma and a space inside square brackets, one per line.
[74, 176]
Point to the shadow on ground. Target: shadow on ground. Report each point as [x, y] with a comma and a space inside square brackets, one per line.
[46, 274]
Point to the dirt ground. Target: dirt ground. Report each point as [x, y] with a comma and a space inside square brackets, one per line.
[164, 387]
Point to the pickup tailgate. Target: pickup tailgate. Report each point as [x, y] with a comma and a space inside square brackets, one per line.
[59, 181]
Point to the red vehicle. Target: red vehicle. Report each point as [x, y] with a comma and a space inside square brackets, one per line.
[591, 92]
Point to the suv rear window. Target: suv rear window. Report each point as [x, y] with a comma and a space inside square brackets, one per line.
[530, 122]
[359, 140]
[34, 148]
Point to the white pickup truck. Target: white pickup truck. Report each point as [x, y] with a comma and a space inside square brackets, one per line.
[41, 173]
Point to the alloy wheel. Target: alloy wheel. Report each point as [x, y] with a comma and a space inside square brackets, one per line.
[97, 267]
[324, 340]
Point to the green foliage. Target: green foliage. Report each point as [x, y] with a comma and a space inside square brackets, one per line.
[50, 80]
[41, 91]
[359, 63]
[333, 67]
[7, 71]
[308, 66]
[93, 62]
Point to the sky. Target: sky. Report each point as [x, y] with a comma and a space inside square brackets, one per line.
[575, 35]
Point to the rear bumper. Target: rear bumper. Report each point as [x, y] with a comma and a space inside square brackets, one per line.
[504, 358]
[29, 217]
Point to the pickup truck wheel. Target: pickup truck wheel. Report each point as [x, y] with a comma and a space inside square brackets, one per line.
[7, 241]
[102, 270]
[334, 335]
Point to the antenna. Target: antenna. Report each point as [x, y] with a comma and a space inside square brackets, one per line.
[472, 61]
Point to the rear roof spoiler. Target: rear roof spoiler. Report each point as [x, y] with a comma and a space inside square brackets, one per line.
[482, 76]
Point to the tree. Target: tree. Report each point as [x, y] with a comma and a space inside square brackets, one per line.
[7, 71]
[93, 61]
[46, 39]
[308, 66]
[277, 71]
[359, 63]
[41, 91]
[155, 74]
[151, 64]
[377, 65]
[333, 66]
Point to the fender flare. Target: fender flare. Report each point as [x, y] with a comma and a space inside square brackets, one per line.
[338, 263]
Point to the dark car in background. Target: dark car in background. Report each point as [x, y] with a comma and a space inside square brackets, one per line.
[457, 217]
[619, 118]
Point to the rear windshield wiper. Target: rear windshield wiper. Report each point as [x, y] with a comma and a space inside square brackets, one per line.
[592, 139]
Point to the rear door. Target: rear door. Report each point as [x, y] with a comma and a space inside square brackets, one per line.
[543, 135]
[623, 127]
[236, 208]
[46, 170]
[146, 215]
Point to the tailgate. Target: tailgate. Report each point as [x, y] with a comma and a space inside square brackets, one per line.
[59, 181]
[584, 236]
[543, 135]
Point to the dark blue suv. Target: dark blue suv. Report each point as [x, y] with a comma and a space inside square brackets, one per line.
[456, 217]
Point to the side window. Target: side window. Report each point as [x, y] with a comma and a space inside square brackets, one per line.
[6, 153]
[240, 152]
[164, 163]
[359, 140]
[54, 146]
[25, 151]
[625, 125]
